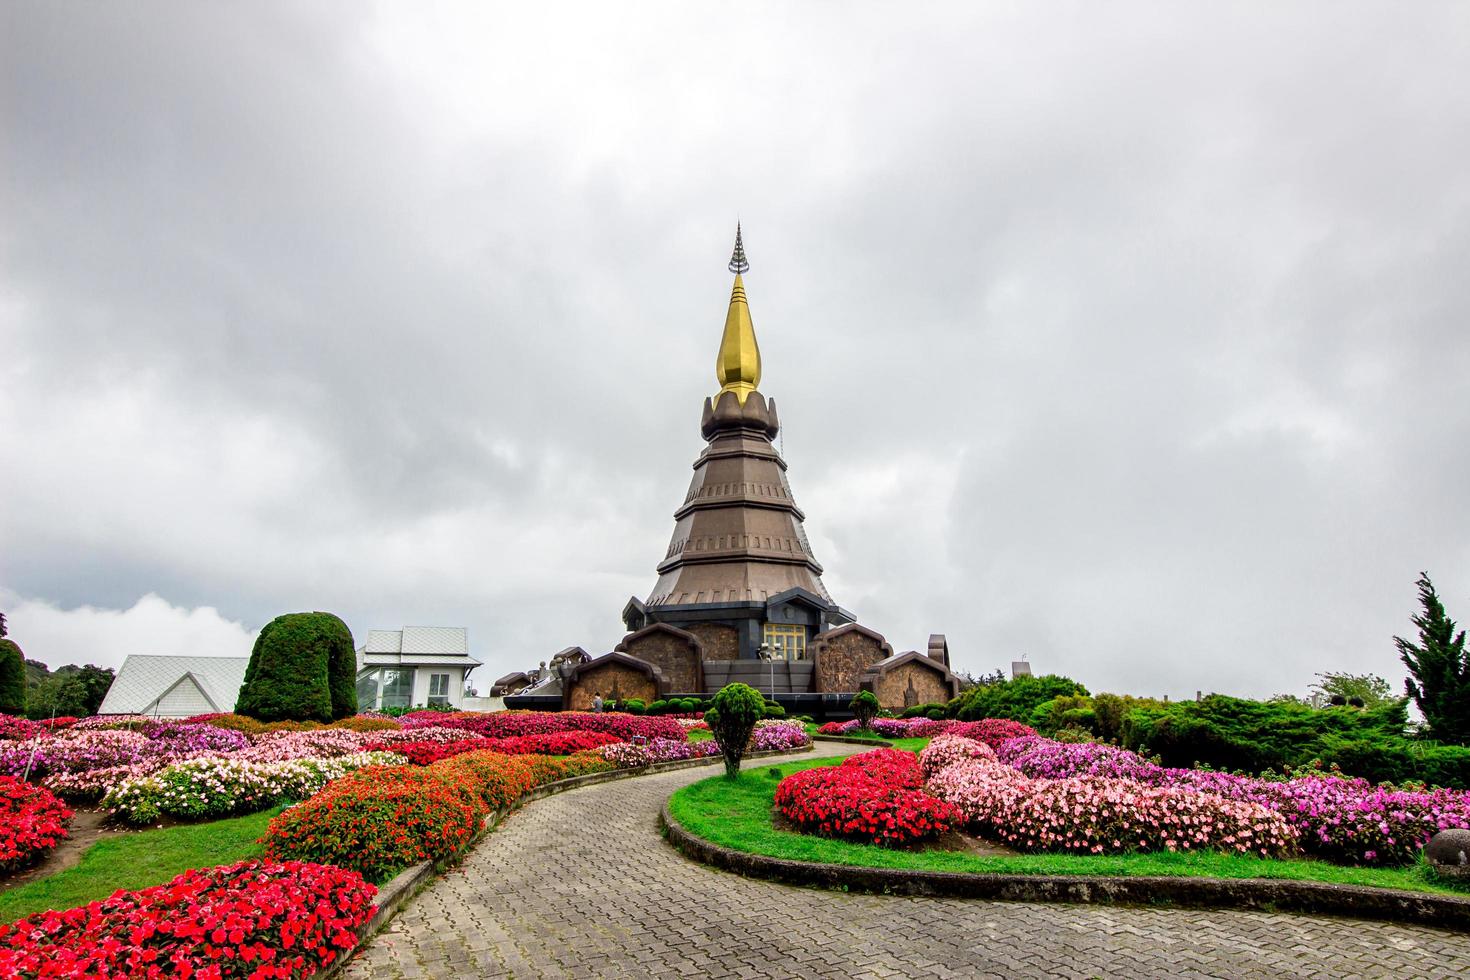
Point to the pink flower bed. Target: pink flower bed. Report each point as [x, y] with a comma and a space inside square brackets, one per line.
[1102, 815]
[873, 798]
[636, 755]
[776, 736]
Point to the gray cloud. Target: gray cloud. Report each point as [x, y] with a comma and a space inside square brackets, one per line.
[1131, 339]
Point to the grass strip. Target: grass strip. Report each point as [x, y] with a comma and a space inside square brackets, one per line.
[138, 860]
[737, 814]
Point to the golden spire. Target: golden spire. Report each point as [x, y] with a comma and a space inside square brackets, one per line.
[738, 368]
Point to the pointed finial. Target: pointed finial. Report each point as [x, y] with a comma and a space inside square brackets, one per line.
[738, 265]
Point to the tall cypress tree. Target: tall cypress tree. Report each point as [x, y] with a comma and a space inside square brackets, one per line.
[12, 675]
[1439, 669]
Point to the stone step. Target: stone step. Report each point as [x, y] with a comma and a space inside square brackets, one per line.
[780, 677]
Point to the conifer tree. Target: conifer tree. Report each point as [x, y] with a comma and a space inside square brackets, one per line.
[1439, 669]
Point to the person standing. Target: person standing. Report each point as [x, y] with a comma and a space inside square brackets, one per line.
[597, 703]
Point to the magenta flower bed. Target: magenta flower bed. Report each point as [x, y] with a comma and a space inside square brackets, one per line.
[503, 724]
[1340, 819]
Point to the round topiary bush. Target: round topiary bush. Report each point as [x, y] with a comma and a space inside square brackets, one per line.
[864, 706]
[12, 678]
[302, 669]
[732, 717]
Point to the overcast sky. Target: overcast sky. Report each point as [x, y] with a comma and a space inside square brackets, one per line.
[1129, 338]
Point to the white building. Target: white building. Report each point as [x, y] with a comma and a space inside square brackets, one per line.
[417, 665]
[174, 686]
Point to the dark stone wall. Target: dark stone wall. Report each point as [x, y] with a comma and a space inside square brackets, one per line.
[676, 657]
[892, 686]
[720, 642]
[843, 658]
[630, 683]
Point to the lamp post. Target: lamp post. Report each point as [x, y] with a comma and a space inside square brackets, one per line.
[768, 656]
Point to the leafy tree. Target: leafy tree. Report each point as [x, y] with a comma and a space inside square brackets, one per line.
[1015, 699]
[1439, 669]
[865, 707]
[12, 678]
[1371, 689]
[732, 716]
[296, 669]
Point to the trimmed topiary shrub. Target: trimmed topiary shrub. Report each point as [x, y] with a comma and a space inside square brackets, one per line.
[864, 705]
[634, 706]
[301, 669]
[12, 678]
[732, 717]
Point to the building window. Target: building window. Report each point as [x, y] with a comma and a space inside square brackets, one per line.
[438, 689]
[397, 687]
[787, 641]
[367, 689]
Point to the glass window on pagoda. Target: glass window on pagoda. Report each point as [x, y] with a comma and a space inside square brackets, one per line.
[786, 640]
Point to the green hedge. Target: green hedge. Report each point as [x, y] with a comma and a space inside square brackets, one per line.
[1233, 733]
[1016, 699]
[302, 668]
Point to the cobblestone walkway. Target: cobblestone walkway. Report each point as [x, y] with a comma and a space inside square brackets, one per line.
[582, 885]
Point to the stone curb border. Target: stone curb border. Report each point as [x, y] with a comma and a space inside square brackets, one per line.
[1259, 894]
[395, 894]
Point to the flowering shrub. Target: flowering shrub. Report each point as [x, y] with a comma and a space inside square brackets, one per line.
[15, 728]
[555, 743]
[832, 728]
[1340, 819]
[425, 753]
[994, 732]
[210, 788]
[32, 821]
[1098, 815]
[59, 722]
[76, 750]
[890, 727]
[872, 800]
[98, 723]
[503, 724]
[377, 821]
[367, 723]
[194, 739]
[319, 743]
[946, 750]
[630, 755]
[243, 920]
[775, 736]
[432, 733]
[496, 780]
[1048, 759]
[929, 727]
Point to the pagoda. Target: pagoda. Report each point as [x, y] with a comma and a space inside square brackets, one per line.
[739, 595]
[739, 572]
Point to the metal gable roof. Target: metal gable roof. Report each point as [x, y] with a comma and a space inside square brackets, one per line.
[432, 640]
[144, 678]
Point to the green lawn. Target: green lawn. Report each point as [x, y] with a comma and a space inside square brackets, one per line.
[737, 814]
[133, 861]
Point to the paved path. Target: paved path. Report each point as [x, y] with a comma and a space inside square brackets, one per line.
[581, 885]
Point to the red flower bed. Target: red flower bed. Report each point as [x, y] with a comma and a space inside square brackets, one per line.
[497, 780]
[992, 731]
[59, 722]
[873, 798]
[378, 820]
[426, 753]
[32, 821]
[249, 919]
[832, 728]
[505, 724]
